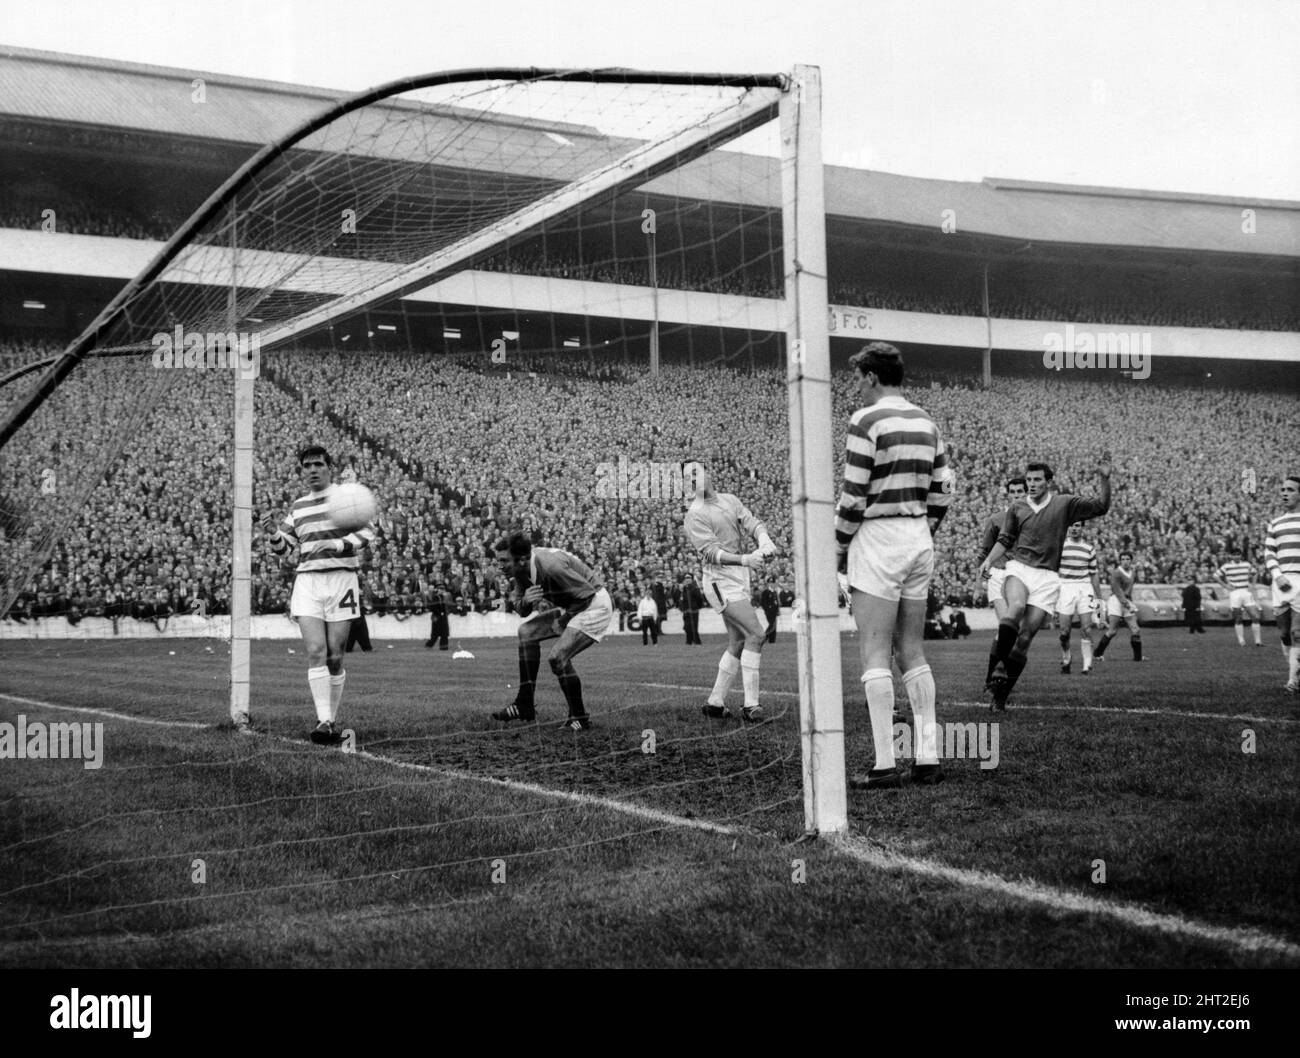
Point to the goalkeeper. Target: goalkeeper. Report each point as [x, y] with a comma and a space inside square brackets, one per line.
[716, 525]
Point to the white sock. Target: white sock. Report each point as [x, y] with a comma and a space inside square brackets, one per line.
[1086, 649]
[919, 684]
[749, 660]
[336, 693]
[1254, 627]
[727, 669]
[1293, 664]
[1241, 634]
[318, 679]
[879, 687]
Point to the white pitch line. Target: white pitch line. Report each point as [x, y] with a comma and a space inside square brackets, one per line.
[1015, 707]
[1251, 940]
[101, 712]
[855, 847]
[625, 807]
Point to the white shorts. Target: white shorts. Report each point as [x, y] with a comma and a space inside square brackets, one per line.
[1240, 598]
[1114, 609]
[1076, 598]
[331, 596]
[996, 577]
[1043, 585]
[594, 620]
[1281, 599]
[722, 590]
[892, 558]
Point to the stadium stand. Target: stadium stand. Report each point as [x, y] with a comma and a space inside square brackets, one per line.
[154, 539]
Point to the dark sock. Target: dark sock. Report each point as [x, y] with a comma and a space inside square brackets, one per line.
[1008, 631]
[530, 660]
[1064, 637]
[1101, 647]
[572, 688]
[1137, 648]
[993, 660]
[1015, 666]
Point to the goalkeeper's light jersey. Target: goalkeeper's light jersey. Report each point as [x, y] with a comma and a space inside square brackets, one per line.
[1237, 573]
[307, 524]
[1282, 546]
[1078, 561]
[717, 525]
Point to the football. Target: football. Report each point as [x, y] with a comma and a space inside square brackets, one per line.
[351, 506]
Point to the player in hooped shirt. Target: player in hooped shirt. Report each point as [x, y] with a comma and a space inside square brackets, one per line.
[897, 489]
[1080, 590]
[1236, 576]
[326, 595]
[1032, 537]
[1282, 560]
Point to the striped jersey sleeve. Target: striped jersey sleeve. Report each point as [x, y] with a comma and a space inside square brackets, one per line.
[1078, 561]
[309, 528]
[1237, 573]
[895, 465]
[1282, 546]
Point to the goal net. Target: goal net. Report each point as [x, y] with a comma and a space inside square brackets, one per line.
[513, 300]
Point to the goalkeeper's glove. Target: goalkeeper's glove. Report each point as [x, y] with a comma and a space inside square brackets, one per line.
[753, 560]
[765, 545]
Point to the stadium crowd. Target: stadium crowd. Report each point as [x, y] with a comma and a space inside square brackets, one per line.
[459, 451]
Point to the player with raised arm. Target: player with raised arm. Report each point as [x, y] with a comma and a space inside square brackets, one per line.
[1282, 560]
[557, 594]
[1032, 537]
[1120, 607]
[1236, 575]
[326, 595]
[1080, 590]
[717, 524]
[1015, 491]
[897, 489]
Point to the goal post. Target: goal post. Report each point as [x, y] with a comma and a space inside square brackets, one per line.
[812, 458]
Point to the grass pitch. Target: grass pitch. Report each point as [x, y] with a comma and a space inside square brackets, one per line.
[1167, 786]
